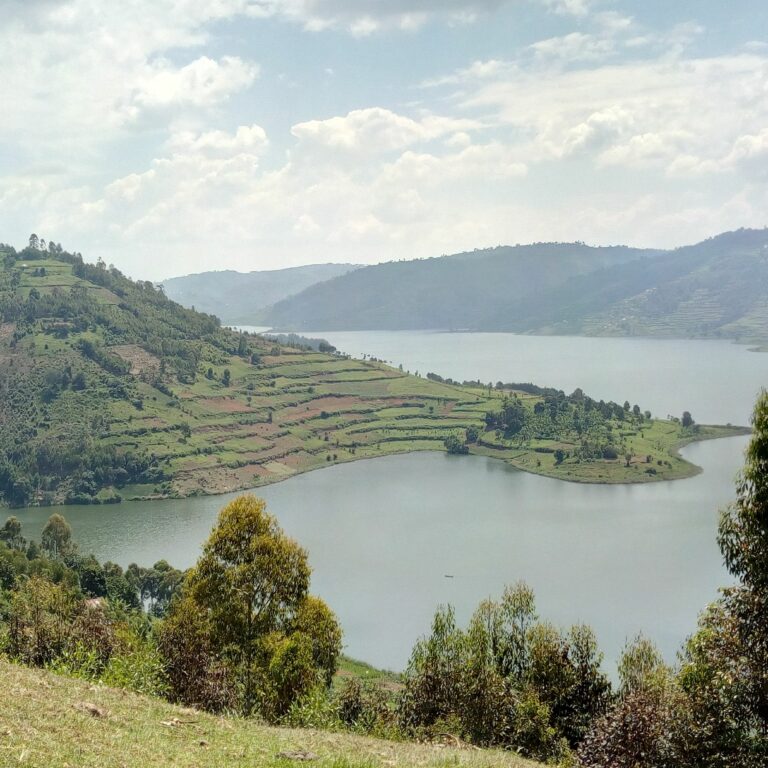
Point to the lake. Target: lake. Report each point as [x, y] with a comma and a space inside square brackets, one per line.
[384, 534]
[717, 381]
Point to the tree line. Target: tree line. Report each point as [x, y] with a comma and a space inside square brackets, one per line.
[240, 632]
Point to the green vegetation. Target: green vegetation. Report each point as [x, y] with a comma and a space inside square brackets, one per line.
[238, 297]
[238, 633]
[715, 288]
[47, 720]
[110, 391]
[246, 636]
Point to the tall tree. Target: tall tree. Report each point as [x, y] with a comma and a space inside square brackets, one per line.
[725, 671]
[56, 539]
[247, 602]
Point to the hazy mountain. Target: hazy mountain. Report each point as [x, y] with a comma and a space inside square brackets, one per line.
[478, 289]
[718, 287]
[238, 297]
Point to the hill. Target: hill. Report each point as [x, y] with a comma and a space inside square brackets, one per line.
[238, 298]
[109, 390]
[49, 720]
[716, 288]
[462, 291]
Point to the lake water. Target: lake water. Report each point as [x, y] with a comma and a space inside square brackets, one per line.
[384, 534]
[717, 381]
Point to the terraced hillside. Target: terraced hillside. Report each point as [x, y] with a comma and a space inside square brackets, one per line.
[110, 391]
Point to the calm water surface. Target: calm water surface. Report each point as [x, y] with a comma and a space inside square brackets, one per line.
[717, 381]
[382, 535]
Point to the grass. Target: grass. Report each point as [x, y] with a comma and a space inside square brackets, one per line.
[365, 672]
[46, 721]
[301, 410]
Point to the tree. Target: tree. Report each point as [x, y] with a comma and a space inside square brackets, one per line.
[687, 420]
[246, 603]
[725, 669]
[11, 534]
[226, 377]
[34, 241]
[316, 621]
[56, 539]
[559, 456]
[454, 444]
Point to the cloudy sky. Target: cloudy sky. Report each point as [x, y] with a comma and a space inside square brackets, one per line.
[173, 136]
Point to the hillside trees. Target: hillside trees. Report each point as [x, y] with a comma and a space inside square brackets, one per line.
[725, 671]
[714, 712]
[247, 617]
[507, 680]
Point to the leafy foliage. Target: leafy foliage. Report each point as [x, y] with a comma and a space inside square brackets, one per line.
[246, 607]
[508, 680]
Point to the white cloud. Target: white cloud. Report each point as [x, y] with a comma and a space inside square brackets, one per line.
[251, 138]
[203, 82]
[376, 130]
[365, 17]
[573, 47]
[82, 72]
[639, 113]
[655, 148]
[570, 7]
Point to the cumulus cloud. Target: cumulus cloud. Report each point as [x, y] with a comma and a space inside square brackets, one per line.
[94, 68]
[608, 131]
[644, 112]
[377, 130]
[202, 82]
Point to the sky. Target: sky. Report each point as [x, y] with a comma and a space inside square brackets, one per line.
[175, 136]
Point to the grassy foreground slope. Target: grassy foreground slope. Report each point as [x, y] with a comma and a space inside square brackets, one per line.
[110, 391]
[47, 720]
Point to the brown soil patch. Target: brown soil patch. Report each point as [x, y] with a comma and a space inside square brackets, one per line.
[139, 359]
[224, 405]
[6, 331]
[314, 408]
[296, 460]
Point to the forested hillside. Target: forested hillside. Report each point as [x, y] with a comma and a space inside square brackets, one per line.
[467, 290]
[238, 298]
[110, 390]
[717, 288]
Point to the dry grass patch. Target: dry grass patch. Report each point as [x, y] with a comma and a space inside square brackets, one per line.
[48, 721]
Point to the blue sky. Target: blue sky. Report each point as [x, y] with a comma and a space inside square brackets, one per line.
[172, 136]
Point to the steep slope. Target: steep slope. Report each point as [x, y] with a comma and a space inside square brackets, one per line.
[459, 291]
[49, 721]
[718, 287]
[110, 390]
[238, 297]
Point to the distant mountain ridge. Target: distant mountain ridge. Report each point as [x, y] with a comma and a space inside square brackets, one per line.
[239, 297]
[715, 288]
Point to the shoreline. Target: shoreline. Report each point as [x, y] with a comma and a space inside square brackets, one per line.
[692, 470]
